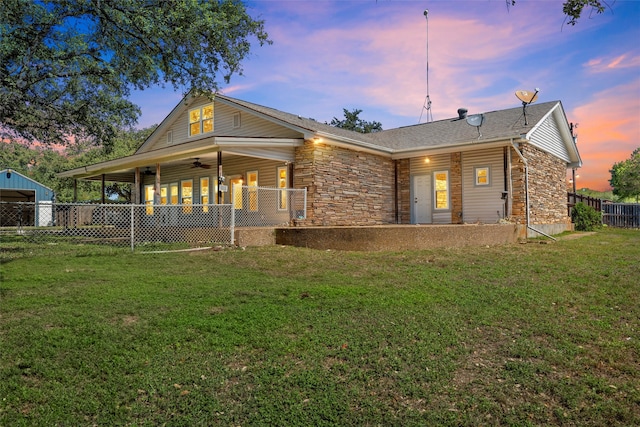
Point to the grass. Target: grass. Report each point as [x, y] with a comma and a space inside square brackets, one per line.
[528, 334]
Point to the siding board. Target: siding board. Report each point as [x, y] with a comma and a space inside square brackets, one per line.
[483, 203]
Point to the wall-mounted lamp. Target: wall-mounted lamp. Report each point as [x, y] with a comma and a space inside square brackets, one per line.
[9, 171]
[316, 140]
[427, 160]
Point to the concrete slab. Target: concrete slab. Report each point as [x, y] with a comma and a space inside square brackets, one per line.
[397, 237]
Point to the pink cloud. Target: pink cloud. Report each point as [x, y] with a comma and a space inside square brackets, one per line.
[608, 132]
[606, 64]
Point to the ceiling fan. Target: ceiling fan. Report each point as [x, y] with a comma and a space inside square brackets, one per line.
[148, 171]
[197, 164]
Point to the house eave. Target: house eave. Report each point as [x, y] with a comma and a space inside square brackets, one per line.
[451, 148]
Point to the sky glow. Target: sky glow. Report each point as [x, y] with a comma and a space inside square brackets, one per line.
[372, 55]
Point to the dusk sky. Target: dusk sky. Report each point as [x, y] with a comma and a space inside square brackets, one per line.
[372, 55]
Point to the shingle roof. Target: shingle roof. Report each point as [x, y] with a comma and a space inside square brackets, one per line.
[509, 123]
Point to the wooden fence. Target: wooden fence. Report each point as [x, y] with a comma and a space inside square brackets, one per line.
[625, 215]
[573, 198]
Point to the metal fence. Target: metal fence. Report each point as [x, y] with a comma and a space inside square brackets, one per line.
[626, 215]
[148, 224]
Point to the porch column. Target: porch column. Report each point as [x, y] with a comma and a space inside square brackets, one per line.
[156, 187]
[102, 198]
[136, 186]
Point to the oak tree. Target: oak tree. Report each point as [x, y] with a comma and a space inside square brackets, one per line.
[67, 67]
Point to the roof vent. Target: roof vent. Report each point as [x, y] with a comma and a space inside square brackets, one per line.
[462, 113]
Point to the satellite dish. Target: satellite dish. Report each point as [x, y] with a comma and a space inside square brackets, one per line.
[476, 120]
[526, 96]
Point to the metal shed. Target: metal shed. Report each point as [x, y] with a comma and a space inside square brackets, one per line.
[24, 201]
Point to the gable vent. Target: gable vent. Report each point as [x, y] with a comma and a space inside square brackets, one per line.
[236, 120]
[170, 137]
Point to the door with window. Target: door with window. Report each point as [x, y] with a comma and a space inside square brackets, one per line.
[421, 207]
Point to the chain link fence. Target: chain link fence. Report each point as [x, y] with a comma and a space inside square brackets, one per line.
[190, 225]
[264, 206]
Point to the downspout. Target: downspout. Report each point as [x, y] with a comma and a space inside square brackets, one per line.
[526, 191]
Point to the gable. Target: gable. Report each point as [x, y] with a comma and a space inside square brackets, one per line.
[552, 135]
[228, 121]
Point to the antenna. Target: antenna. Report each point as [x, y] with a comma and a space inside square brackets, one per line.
[476, 120]
[427, 99]
[527, 98]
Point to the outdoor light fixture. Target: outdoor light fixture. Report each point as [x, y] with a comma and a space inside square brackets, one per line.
[427, 160]
[9, 173]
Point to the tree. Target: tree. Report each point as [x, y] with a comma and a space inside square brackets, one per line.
[353, 122]
[625, 177]
[573, 9]
[42, 164]
[68, 66]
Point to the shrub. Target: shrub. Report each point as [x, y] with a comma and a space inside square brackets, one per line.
[585, 217]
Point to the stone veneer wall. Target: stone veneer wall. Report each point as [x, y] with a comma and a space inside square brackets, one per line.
[404, 190]
[455, 188]
[547, 187]
[344, 187]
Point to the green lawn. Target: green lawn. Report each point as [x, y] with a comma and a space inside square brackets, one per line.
[526, 334]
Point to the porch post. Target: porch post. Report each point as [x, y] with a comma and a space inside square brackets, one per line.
[220, 176]
[136, 186]
[102, 198]
[156, 187]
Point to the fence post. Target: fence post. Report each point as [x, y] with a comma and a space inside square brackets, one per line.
[233, 223]
[131, 224]
[305, 202]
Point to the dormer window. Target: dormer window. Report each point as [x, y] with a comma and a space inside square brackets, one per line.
[201, 120]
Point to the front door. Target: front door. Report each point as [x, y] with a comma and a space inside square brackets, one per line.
[421, 186]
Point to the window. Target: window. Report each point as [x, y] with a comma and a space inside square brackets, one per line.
[441, 189]
[163, 194]
[282, 183]
[236, 192]
[482, 176]
[148, 198]
[186, 189]
[173, 193]
[201, 120]
[252, 183]
[204, 193]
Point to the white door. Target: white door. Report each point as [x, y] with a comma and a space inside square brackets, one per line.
[421, 186]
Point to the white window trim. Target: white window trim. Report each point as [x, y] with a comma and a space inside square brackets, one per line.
[435, 191]
[475, 174]
[282, 206]
[252, 191]
[189, 122]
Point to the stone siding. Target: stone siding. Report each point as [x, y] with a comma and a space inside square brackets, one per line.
[547, 187]
[344, 187]
[404, 190]
[455, 188]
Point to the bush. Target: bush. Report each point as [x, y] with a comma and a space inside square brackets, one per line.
[585, 217]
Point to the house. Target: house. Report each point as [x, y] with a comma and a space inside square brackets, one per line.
[501, 166]
[23, 201]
